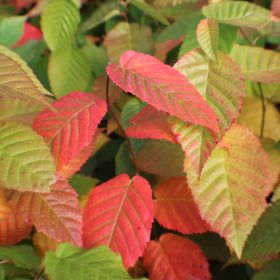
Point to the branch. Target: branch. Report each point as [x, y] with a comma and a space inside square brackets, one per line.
[132, 155]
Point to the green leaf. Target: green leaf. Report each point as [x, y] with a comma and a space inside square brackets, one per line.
[104, 12]
[82, 184]
[11, 29]
[18, 81]
[257, 64]
[21, 255]
[270, 271]
[227, 35]
[2, 273]
[72, 263]
[69, 70]
[25, 160]
[149, 10]
[125, 36]
[59, 23]
[207, 33]
[243, 14]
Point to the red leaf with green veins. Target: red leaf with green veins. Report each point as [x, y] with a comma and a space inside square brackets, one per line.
[119, 214]
[161, 86]
[72, 128]
[175, 258]
[150, 123]
[175, 209]
[56, 214]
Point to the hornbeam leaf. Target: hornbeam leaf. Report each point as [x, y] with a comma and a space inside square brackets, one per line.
[119, 214]
[78, 115]
[72, 263]
[242, 14]
[207, 34]
[59, 22]
[230, 192]
[25, 160]
[175, 209]
[13, 228]
[56, 214]
[257, 64]
[18, 81]
[124, 37]
[175, 257]
[162, 87]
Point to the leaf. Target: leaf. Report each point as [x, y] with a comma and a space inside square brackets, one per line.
[162, 87]
[270, 271]
[20, 83]
[123, 218]
[105, 11]
[72, 128]
[42, 243]
[227, 37]
[59, 23]
[11, 28]
[12, 226]
[125, 36]
[21, 255]
[257, 64]
[166, 3]
[155, 156]
[71, 263]
[150, 123]
[149, 11]
[82, 184]
[56, 214]
[68, 71]
[236, 171]
[242, 14]
[25, 160]
[174, 257]
[175, 209]
[251, 117]
[207, 33]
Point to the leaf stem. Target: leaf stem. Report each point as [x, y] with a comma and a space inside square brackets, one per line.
[38, 275]
[132, 155]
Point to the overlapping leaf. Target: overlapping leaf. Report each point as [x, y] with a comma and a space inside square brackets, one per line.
[207, 34]
[150, 123]
[56, 214]
[42, 243]
[175, 209]
[18, 81]
[257, 64]
[119, 214]
[174, 257]
[125, 36]
[25, 160]
[235, 172]
[162, 87]
[71, 263]
[68, 70]
[72, 128]
[59, 23]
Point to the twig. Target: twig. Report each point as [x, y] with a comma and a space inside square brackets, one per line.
[5, 261]
[245, 36]
[132, 155]
[38, 275]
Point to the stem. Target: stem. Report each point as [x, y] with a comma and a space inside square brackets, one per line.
[38, 276]
[260, 90]
[132, 155]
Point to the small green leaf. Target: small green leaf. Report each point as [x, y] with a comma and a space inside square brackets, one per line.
[270, 271]
[82, 184]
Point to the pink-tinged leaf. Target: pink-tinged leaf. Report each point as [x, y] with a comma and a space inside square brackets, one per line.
[175, 258]
[163, 48]
[150, 123]
[161, 86]
[20, 4]
[119, 214]
[72, 128]
[175, 209]
[13, 228]
[56, 214]
[231, 190]
[30, 32]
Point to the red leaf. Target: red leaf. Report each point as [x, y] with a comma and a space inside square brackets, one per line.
[150, 123]
[30, 32]
[12, 226]
[119, 214]
[162, 87]
[175, 258]
[56, 214]
[71, 129]
[175, 208]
